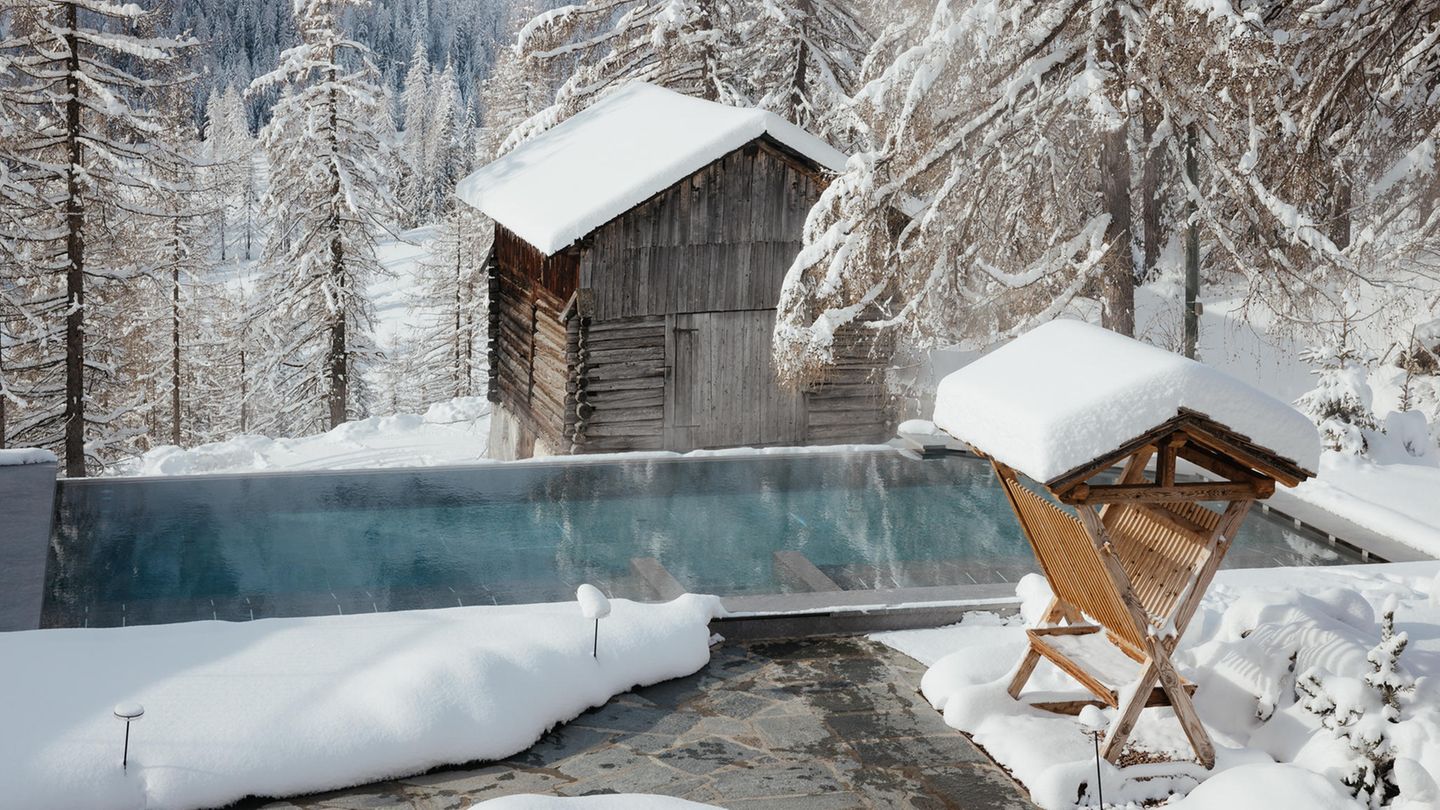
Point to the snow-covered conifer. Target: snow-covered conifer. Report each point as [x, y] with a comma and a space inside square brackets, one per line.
[806, 57]
[1340, 405]
[80, 75]
[449, 349]
[691, 46]
[995, 192]
[326, 199]
[1363, 718]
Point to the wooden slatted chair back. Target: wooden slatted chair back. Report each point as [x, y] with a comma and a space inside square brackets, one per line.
[1160, 559]
[1071, 562]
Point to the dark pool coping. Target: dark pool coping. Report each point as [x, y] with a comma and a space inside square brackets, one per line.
[27, 492]
[596, 459]
[839, 613]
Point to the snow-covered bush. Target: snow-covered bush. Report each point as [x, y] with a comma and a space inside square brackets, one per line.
[1360, 712]
[1340, 403]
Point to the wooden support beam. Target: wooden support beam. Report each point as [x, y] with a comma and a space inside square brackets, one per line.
[1086, 494]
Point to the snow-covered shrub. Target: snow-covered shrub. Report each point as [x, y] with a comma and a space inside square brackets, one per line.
[1340, 403]
[1360, 712]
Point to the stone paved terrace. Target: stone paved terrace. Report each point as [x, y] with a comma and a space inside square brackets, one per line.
[817, 723]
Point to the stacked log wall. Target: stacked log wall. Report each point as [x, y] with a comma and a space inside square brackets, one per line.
[529, 339]
[853, 403]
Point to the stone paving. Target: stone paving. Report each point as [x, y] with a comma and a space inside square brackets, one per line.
[819, 723]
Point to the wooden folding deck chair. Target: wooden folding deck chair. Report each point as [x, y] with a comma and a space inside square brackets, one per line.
[1130, 566]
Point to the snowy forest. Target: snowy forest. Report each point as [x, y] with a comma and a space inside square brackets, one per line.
[195, 196]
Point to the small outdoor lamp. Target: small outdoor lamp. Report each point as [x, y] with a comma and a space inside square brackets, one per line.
[128, 712]
[595, 607]
[1095, 724]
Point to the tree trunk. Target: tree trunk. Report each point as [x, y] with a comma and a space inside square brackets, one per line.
[75, 262]
[1118, 284]
[798, 96]
[175, 353]
[1150, 198]
[337, 360]
[1191, 315]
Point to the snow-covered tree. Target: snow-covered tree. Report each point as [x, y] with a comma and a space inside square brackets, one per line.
[691, 46]
[415, 188]
[1313, 121]
[84, 145]
[996, 191]
[1340, 404]
[806, 57]
[234, 179]
[327, 196]
[447, 358]
[1362, 718]
[447, 144]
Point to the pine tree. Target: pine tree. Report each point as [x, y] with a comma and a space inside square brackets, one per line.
[416, 187]
[83, 144]
[1365, 724]
[1340, 403]
[326, 197]
[690, 46]
[996, 190]
[448, 359]
[447, 147]
[807, 57]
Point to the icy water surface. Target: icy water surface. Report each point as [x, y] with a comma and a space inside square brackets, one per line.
[131, 551]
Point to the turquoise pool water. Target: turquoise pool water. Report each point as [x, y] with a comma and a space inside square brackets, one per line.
[239, 547]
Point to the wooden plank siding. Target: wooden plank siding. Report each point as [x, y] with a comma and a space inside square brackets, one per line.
[668, 313]
[528, 340]
[717, 241]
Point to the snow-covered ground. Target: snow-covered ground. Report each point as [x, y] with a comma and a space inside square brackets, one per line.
[454, 432]
[1257, 632]
[278, 707]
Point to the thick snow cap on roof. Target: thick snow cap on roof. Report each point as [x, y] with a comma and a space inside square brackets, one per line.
[619, 152]
[1067, 393]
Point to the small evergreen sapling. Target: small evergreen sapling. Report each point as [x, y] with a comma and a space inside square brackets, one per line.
[1362, 717]
[1340, 403]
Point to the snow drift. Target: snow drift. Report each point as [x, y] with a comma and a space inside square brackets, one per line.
[279, 707]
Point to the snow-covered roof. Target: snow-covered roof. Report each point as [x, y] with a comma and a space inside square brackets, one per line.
[1068, 393]
[614, 155]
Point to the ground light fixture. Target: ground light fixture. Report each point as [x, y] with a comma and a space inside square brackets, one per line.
[1095, 724]
[595, 607]
[129, 712]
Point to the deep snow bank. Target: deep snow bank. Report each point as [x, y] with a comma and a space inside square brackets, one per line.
[284, 706]
[1256, 631]
[453, 432]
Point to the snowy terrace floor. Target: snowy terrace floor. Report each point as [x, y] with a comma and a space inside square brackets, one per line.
[819, 723]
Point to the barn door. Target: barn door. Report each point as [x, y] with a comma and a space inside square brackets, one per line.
[722, 390]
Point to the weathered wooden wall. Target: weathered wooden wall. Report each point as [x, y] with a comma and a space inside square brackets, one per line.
[666, 342]
[528, 338]
[718, 241]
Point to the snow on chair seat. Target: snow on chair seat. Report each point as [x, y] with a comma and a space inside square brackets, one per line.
[1130, 565]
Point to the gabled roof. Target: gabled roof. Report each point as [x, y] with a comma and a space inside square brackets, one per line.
[614, 155]
[1068, 394]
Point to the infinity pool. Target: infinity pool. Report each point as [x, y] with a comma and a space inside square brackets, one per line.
[136, 551]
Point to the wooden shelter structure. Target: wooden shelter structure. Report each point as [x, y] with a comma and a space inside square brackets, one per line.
[640, 248]
[1131, 558]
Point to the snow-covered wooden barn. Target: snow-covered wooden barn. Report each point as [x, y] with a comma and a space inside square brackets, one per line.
[639, 252]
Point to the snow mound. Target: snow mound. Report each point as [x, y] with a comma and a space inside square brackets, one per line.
[622, 150]
[1267, 786]
[1069, 392]
[453, 432]
[1256, 635]
[278, 707]
[26, 455]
